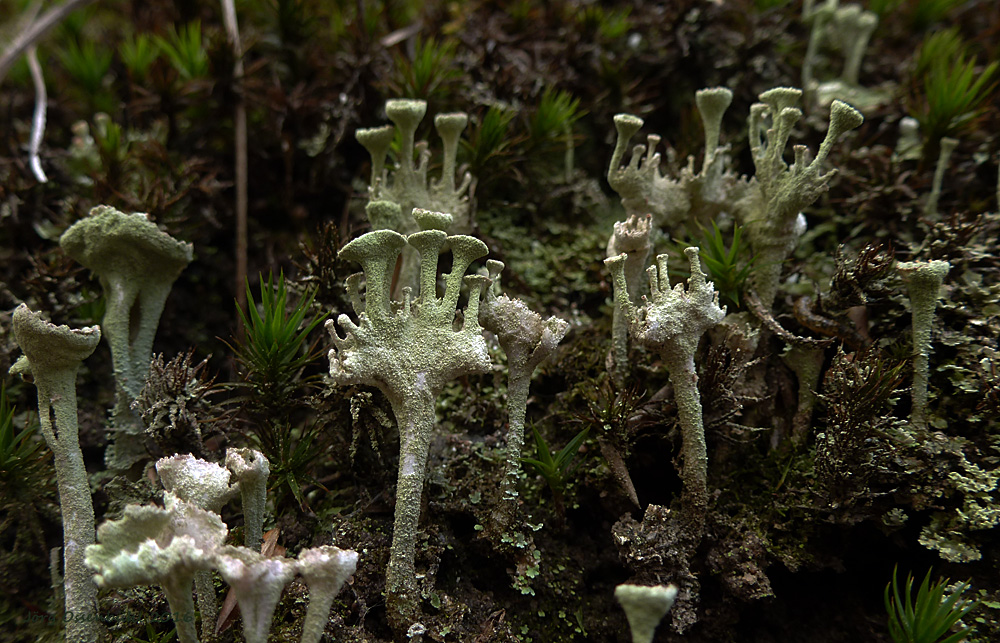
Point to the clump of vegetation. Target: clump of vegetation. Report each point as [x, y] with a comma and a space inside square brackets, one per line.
[931, 615]
[555, 468]
[272, 357]
[956, 88]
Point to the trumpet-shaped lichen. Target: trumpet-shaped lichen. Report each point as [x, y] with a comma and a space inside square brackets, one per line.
[645, 607]
[137, 263]
[923, 281]
[52, 357]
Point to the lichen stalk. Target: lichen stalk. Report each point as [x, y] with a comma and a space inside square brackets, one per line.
[415, 416]
[52, 357]
[526, 340]
[672, 322]
[948, 146]
[410, 350]
[923, 282]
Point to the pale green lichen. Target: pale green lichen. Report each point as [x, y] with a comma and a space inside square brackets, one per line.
[948, 532]
[408, 184]
[166, 547]
[205, 485]
[948, 146]
[701, 195]
[257, 582]
[325, 570]
[409, 349]
[923, 281]
[630, 238]
[251, 469]
[526, 340]
[137, 264]
[778, 191]
[645, 607]
[171, 546]
[672, 323]
[52, 357]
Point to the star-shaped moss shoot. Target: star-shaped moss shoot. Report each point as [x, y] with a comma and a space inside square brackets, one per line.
[408, 185]
[154, 546]
[526, 340]
[52, 357]
[645, 607]
[409, 349]
[137, 263]
[923, 281]
[672, 323]
[779, 191]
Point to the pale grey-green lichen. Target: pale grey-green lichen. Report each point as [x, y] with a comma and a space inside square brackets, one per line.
[630, 238]
[645, 607]
[672, 322]
[948, 532]
[250, 469]
[52, 357]
[408, 184]
[257, 582]
[948, 146]
[700, 195]
[325, 570]
[137, 264]
[923, 281]
[166, 547]
[409, 349]
[772, 209]
[526, 340]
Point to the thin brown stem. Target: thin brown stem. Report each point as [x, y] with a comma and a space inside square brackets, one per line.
[240, 126]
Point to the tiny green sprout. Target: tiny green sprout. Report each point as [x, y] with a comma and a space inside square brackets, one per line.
[86, 64]
[152, 636]
[932, 616]
[555, 468]
[20, 454]
[940, 45]
[138, 53]
[726, 266]
[272, 353]
[955, 95]
[926, 13]
[272, 357]
[552, 119]
[490, 144]
[431, 72]
[184, 50]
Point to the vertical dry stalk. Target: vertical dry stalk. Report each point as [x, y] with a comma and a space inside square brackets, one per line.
[240, 126]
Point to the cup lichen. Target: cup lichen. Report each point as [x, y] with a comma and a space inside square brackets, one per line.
[409, 350]
[52, 356]
[137, 264]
